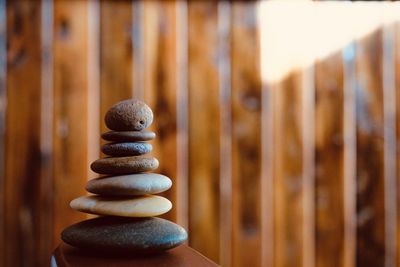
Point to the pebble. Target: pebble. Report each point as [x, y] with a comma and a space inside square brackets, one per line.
[117, 235]
[124, 165]
[129, 115]
[126, 149]
[129, 185]
[128, 136]
[143, 206]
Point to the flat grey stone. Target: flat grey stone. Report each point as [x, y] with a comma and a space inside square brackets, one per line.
[126, 149]
[124, 165]
[129, 185]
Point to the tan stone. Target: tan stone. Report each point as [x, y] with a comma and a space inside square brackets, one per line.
[129, 115]
[144, 206]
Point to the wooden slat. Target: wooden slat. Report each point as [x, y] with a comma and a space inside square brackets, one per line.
[308, 184]
[204, 128]
[160, 88]
[138, 48]
[329, 161]
[70, 109]
[267, 177]
[288, 171]
[23, 155]
[94, 85]
[225, 110]
[3, 101]
[46, 133]
[389, 132]
[350, 154]
[370, 157]
[182, 123]
[116, 54]
[397, 84]
[267, 148]
[246, 135]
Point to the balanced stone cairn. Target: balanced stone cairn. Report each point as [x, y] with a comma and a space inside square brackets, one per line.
[124, 196]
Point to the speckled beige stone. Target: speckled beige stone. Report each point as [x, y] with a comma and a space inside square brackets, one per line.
[124, 165]
[129, 115]
[129, 185]
[144, 206]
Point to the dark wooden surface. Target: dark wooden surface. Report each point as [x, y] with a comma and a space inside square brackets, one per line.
[182, 256]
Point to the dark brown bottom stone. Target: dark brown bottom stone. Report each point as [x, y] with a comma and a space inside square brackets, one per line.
[124, 236]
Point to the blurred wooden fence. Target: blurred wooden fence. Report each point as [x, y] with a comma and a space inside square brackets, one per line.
[302, 172]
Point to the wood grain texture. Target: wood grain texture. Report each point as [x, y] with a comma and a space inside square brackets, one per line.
[370, 165]
[241, 157]
[24, 158]
[94, 86]
[70, 110]
[116, 54]
[182, 108]
[225, 110]
[3, 102]
[389, 133]
[308, 184]
[204, 129]
[397, 85]
[329, 161]
[246, 125]
[182, 256]
[267, 174]
[350, 154]
[288, 171]
[46, 131]
[159, 32]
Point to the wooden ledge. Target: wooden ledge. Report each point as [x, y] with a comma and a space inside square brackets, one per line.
[67, 256]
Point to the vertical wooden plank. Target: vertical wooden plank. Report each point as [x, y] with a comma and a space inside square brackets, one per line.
[246, 136]
[397, 81]
[138, 49]
[350, 155]
[94, 85]
[3, 110]
[23, 154]
[225, 109]
[46, 133]
[70, 109]
[267, 178]
[370, 153]
[160, 68]
[267, 146]
[182, 124]
[389, 132]
[204, 129]
[329, 161]
[288, 171]
[308, 139]
[116, 54]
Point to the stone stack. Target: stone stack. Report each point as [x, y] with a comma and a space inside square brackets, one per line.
[124, 196]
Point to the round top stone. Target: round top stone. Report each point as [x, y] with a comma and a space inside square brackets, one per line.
[129, 115]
